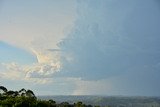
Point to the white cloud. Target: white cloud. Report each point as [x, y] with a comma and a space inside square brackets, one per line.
[42, 28]
[13, 71]
[35, 33]
[48, 64]
[43, 70]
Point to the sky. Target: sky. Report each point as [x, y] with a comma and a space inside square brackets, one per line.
[81, 47]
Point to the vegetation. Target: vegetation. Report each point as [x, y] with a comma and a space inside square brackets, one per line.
[26, 98]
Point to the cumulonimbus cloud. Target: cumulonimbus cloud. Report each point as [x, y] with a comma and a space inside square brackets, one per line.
[111, 37]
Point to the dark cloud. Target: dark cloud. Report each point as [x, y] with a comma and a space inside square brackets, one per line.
[111, 37]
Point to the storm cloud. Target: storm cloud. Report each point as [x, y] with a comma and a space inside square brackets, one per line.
[112, 37]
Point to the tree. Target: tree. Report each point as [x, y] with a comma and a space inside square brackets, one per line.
[79, 104]
[27, 93]
[4, 89]
[26, 98]
[52, 101]
[22, 92]
[10, 93]
[30, 93]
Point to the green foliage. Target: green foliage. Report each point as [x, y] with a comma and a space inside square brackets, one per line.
[26, 98]
[4, 89]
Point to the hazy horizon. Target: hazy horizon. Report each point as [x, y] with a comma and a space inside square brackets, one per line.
[81, 47]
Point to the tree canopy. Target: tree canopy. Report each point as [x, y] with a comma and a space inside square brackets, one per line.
[27, 98]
